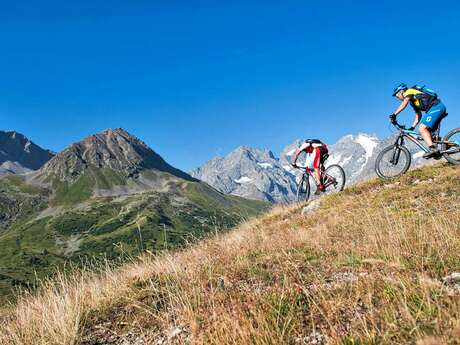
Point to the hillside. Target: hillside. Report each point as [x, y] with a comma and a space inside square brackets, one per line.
[367, 266]
[108, 197]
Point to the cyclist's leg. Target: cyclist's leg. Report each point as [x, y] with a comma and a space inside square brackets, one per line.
[434, 116]
[430, 121]
[317, 167]
[425, 132]
[317, 174]
[324, 157]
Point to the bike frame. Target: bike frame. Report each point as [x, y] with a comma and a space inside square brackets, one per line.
[307, 172]
[416, 138]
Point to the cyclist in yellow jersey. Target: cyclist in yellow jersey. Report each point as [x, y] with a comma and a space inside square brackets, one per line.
[421, 100]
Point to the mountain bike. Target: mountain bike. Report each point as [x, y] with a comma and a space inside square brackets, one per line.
[333, 178]
[395, 159]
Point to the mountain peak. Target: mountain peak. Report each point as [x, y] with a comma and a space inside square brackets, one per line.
[113, 149]
[108, 135]
[18, 151]
[253, 153]
[249, 172]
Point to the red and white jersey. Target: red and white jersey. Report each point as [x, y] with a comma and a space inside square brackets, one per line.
[313, 154]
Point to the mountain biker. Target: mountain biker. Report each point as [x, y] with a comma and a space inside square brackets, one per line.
[317, 154]
[428, 102]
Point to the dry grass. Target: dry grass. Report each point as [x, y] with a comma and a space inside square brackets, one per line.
[365, 268]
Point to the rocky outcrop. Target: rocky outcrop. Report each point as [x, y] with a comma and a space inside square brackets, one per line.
[113, 149]
[20, 155]
[250, 173]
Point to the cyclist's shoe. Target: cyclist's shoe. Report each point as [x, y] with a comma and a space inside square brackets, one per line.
[320, 189]
[433, 152]
[438, 155]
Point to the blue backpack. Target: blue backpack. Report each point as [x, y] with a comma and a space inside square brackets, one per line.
[425, 90]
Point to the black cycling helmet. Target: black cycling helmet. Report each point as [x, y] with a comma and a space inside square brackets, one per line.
[313, 141]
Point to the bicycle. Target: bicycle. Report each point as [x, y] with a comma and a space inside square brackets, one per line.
[333, 180]
[395, 160]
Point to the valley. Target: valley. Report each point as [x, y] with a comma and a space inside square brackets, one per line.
[109, 197]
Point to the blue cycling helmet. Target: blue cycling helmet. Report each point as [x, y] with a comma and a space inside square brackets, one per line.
[400, 87]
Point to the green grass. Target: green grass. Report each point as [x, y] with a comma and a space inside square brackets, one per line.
[21, 185]
[108, 178]
[365, 267]
[104, 228]
[77, 192]
[204, 195]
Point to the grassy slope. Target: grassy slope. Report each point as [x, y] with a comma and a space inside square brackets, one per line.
[364, 268]
[106, 228]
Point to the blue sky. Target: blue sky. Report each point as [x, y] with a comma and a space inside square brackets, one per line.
[195, 79]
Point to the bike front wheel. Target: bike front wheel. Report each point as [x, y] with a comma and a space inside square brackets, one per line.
[334, 179]
[392, 162]
[303, 189]
[451, 144]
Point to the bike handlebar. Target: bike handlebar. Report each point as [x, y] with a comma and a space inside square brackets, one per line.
[397, 125]
[300, 167]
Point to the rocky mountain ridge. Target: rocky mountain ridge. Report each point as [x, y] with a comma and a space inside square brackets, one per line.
[20, 155]
[114, 149]
[111, 163]
[259, 176]
[255, 173]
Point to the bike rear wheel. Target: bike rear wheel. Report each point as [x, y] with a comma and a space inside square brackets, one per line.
[303, 189]
[452, 142]
[392, 162]
[334, 179]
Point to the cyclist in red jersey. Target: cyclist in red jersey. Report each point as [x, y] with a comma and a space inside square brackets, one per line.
[316, 152]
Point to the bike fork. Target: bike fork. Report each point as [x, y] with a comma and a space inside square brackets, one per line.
[396, 151]
[396, 154]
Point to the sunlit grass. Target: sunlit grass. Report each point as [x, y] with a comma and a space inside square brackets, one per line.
[365, 268]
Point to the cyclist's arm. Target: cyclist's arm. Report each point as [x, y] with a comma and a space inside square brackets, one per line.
[418, 117]
[402, 106]
[299, 151]
[296, 156]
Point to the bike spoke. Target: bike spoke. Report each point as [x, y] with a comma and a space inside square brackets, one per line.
[392, 163]
[334, 179]
[453, 146]
[303, 191]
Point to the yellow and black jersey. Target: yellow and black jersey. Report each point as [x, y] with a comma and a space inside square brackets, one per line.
[419, 100]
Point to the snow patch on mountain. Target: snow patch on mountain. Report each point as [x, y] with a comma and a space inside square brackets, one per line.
[288, 168]
[368, 142]
[337, 159]
[291, 152]
[243, 179]
[265, 165]
[27, 147]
